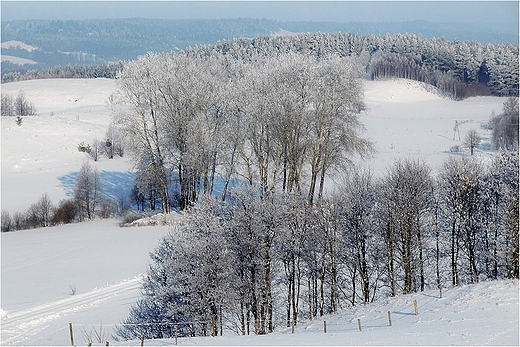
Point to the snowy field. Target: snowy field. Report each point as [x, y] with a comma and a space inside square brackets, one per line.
[103, 263]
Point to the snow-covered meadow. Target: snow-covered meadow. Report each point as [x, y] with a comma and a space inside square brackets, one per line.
[102, 263]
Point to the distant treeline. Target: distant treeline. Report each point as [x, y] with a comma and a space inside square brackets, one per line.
[125, 39]
[106, 70]
[459, 69]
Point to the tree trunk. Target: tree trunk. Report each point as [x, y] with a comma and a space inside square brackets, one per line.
[296, 293]
[391, 266]
[454, 273]
[421, 261]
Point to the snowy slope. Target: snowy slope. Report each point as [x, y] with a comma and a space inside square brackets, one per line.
[41, 154]
[104, 262]
[407, 119]
[100, 260]
[483, 314]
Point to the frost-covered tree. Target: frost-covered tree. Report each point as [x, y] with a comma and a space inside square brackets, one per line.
[6, 221]
[506, 166]
[190, 282]
[114, 142]
[18, 106]
[88, 191]
[472, 140]
[363, 246]
[505, 126]
[7, 105]
[95, 149]
[258, 222]
[45, 210]
[335, 136]
[136, 107]
[407, 199]
[146, 191]
[191, 117]
[461, 181]
[40, 214]
[290, 249]
[160, 307]
[277, 98]
[22, 107]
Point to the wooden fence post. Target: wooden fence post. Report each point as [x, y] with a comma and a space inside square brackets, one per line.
[292, 326]
[106, 344]
[142, 340]
[440, 291]
[359, 324]
[176, 334]
[325, 326]
[71, 335]
[416, 308]
[389, 318]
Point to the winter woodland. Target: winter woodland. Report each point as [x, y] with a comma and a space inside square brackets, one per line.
[273, 123]
[275, 243]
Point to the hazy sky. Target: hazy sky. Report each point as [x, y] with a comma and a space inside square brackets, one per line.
[334, 11]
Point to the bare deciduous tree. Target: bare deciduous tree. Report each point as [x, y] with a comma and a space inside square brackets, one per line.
[88, 191]
[472, 140]
[22, 107]
[407, 194]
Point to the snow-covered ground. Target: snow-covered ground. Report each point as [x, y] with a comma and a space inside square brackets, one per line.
[41, 155]
[407, 119]
[484, 314]
[103, 263]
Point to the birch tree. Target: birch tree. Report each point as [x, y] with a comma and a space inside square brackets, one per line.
[337, 100]
[461, 185]
[137, 107]
[407, 190]
[88, 191]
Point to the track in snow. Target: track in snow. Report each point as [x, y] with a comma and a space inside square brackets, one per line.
[18, 327]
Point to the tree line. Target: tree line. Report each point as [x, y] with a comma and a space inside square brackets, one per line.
[490, 68]
[258, 261]
[88, 202]
[283, 123]
[17, 107]
[459, 68]
[104, 70]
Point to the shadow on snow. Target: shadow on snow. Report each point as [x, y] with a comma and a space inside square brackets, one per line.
[115, 184]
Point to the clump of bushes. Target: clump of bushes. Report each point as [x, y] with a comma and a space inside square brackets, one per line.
[40, 214]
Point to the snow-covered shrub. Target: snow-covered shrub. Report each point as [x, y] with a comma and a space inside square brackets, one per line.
[130, 217]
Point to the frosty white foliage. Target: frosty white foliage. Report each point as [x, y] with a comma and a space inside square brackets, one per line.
[269, 121]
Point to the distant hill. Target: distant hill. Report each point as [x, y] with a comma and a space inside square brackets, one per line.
[90, 42]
